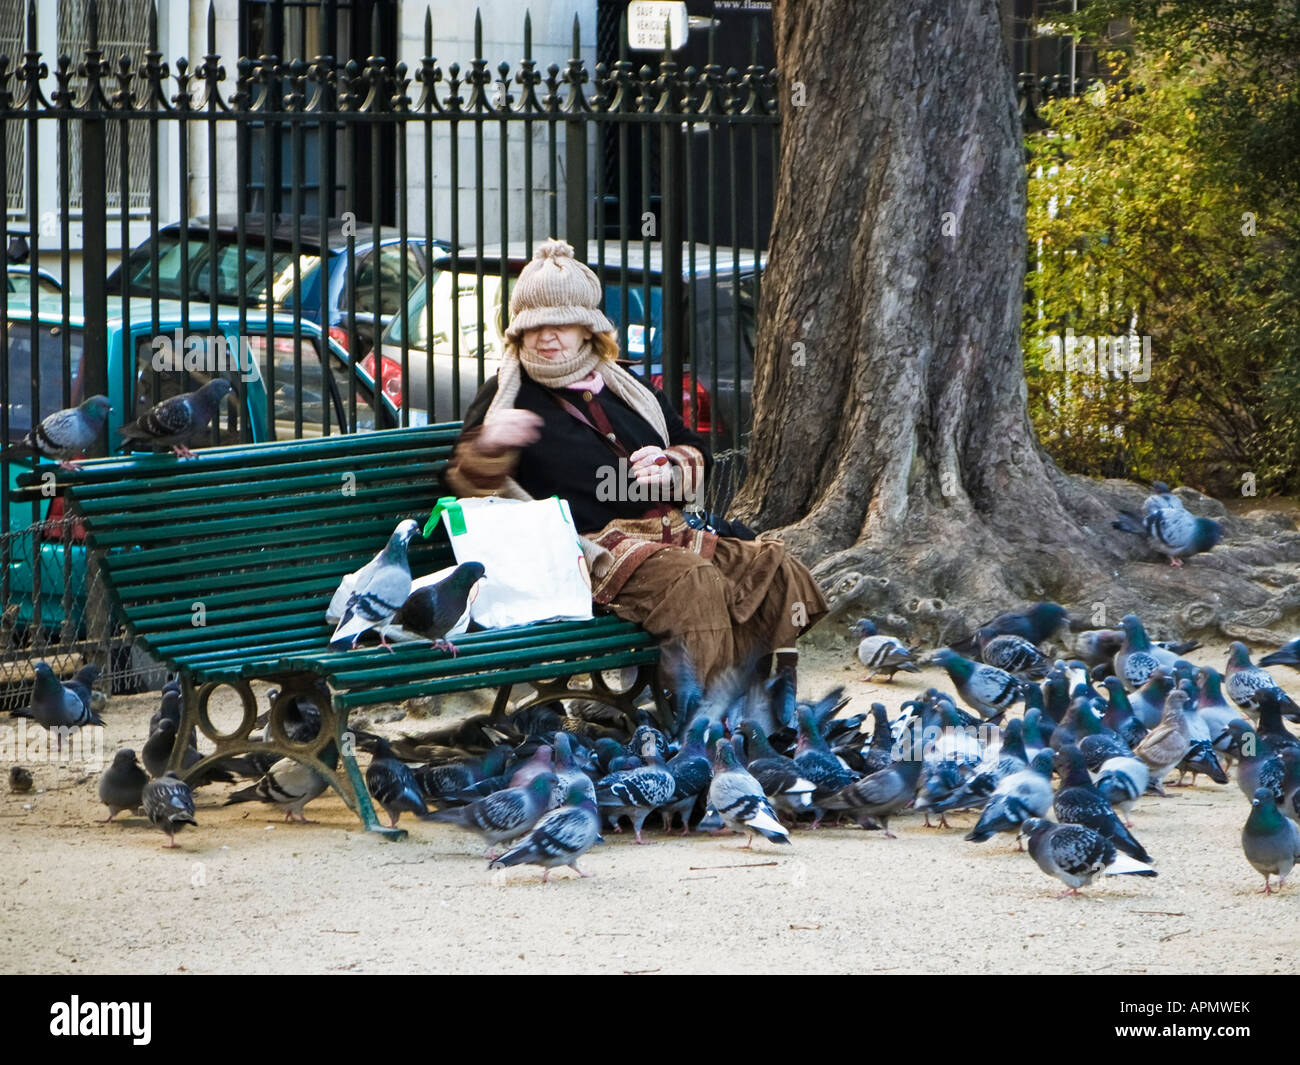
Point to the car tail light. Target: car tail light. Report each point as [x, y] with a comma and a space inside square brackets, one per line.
[699, 418]
[391, 384]
[340, 336]
[53, 531]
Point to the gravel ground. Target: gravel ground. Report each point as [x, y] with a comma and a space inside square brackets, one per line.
[247, 892]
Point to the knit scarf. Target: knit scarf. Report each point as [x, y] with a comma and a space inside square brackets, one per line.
[556, 373]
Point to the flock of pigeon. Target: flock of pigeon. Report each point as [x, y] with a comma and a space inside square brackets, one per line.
[544, 781]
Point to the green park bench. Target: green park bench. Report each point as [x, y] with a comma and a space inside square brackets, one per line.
[222, 567]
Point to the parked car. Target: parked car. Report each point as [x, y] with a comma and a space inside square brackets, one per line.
[386, 256]
[324, 386]
[18, 280]
[725, 298]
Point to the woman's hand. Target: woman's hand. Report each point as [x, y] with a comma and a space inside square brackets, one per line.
[509, 429]
[650, 464]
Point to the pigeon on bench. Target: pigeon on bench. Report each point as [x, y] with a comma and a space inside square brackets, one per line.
[67, 433]
[381, 588]
[433, 610]
[174, 422]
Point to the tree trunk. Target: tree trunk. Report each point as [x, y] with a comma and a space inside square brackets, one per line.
[891, 435]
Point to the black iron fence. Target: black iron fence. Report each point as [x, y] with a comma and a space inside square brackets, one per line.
[338, 237]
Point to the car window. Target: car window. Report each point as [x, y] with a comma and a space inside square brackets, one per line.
[231, 271]
[389, 264]
[21, 285]
[315, 391]
[466, 345]
[159, 377]
[49, 372]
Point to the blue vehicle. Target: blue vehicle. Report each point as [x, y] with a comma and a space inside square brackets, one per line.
[145, 366]
[384, 260]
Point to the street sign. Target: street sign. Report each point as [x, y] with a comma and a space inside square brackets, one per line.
[645, 24]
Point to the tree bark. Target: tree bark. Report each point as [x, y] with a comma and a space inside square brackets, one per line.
[892, 446]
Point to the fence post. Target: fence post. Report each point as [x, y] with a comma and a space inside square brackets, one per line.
[94, 227]
[670, 233]
[575, 156]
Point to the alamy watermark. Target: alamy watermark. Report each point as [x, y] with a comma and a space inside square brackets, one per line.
[617, 483]
[29, 744]
[215, 354]
[1118, 356]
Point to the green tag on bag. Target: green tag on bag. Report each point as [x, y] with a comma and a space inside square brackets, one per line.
[455, 517]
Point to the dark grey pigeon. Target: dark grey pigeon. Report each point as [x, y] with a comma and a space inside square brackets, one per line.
[1018, 797]
[1013, 654]
[1286, 655]
[67, 433]
[1075, 854]
[633, 793]
[560, 838]
[1243, 681]
[121, 785]
[169, 804]
[174, 422]
[881, 795]
[58, 706]
[393, 785]
[1270, 839]
[381, 587]
[433, 610]
[1078, 802]
[157, 751]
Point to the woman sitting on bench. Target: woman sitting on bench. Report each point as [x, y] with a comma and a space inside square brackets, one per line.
[562, 418]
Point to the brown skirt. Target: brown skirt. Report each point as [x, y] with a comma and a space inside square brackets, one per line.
[749, 599]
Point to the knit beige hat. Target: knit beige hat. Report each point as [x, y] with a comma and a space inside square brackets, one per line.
[556, 289]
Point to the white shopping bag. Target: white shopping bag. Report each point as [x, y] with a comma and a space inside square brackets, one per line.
[534, 568]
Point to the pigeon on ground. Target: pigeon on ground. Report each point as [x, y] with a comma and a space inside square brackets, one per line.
[506, 814]
[879, 753]
[174, 422]
[381, 588]
[779, 776]
[1270, 728]
[1018, 797]
[1270, 839]
[876, 798]
[740, 801]
[1033, 728]
[633, 793]
[83, 681]
[20, 780]
[1123, 781]
[1258, 765]
[1076, 854]
[433, 610]
[1168, 743]
[1210, 703]
[692, 769]
[121, 785]
[882, 654]
[290, 785]
[1200, 758]
[1242, 681]
[169, 804]
[987, 689]
[157, 752]
[1148, 702]
[561, 837]
[1014, 654]
[1097, 646]
[568, 774]
[66, 434]
[1169, 527]
[1138, 657]
[442, 783]
[1286, 655]
[59, 707]
[1038, 624]
[816, 762]
[1078, 802]
[392, 784]
[1119, 716]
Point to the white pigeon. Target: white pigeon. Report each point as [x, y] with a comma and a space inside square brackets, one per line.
[381, 588]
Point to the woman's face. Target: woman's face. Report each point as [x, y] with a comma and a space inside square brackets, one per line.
[555, 341]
